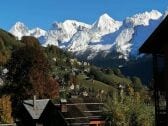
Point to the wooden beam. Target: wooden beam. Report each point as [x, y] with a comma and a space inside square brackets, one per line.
[84, 117]
[93, 111]
[82, 104]
[77, 124]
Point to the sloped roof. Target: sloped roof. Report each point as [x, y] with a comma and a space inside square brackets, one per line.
[81, 110]
[157, 40]
[37, 110]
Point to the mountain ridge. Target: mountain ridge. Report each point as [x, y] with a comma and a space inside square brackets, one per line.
[105, 35]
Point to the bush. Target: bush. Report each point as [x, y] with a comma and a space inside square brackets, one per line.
[136, 83]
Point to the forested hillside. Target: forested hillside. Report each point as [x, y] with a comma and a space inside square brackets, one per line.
[27, 69]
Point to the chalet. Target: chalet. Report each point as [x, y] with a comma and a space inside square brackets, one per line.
[157, 45]
[39, 113]
[82, 112]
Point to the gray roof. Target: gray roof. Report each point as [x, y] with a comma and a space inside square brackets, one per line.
[37, 110]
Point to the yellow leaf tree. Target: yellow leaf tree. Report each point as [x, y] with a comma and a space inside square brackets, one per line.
[5, 109]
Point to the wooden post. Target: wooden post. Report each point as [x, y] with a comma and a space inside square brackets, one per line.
[155, 71]
[166, 107]
[166, 80]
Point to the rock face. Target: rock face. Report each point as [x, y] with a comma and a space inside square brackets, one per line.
[106, 36]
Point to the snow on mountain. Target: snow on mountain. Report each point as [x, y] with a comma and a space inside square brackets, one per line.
[20, 29]
[70, 26]
[123, 45]
[105, 24]
[143, 18]
[135, 31]
[141, 34]
[62, 32]
[37, 32]
[106, 35]
[90, 39]
[79, 41]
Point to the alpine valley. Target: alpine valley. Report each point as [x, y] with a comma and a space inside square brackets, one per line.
[107, 42]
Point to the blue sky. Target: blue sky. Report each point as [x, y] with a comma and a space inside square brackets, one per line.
[43, 13]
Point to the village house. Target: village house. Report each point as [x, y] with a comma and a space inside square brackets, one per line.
[157, 45]
[39, 113]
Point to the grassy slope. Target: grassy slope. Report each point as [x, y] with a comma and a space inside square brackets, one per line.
[118, 80]
[96, 85]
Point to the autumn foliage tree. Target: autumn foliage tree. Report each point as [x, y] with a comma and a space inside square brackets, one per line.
[29, 71]
[6, 109]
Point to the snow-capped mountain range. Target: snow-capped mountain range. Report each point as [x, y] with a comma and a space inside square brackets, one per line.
[104, 36]
[19, 30]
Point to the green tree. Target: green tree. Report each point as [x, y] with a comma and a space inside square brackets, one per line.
[114, 111]
[130, 112]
